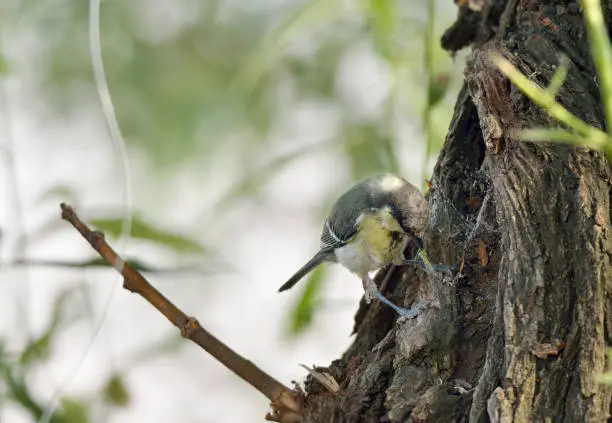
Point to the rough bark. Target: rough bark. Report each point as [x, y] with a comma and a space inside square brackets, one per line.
[522, 334]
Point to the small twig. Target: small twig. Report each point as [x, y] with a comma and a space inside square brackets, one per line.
[428, 41]
[325, 379]
[99, 262]
[285, 405]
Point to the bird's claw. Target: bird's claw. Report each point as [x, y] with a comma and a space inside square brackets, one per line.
[416, 310]
[406, 313]
[371, 292]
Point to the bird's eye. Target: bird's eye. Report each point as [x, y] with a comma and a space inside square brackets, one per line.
[407, 229]
[396, 236]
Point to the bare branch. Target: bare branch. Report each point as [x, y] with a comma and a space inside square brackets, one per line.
[285, 403]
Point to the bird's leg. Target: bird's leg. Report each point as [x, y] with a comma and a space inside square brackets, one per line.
[408, 313]
[371, 292]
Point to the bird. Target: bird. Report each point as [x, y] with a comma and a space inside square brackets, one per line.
[368, 227]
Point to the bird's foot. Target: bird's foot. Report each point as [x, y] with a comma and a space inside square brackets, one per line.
[406, 313]
[417, 309]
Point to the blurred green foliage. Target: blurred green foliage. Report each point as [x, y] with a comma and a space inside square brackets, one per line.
[141, 229]
[4, 67]
[188, 81]
[15, 371]
[253, 179]
[363, 159]
[303, 312]
[188, 78]
[115, 392]
[39, 348]
[74, 411]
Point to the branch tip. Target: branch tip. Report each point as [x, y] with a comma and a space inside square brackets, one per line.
[67, 212]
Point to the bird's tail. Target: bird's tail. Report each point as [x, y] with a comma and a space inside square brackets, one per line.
[316, 260]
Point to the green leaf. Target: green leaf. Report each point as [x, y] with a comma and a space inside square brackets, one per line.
[4, 66]
[369, 151]
[39, 349]
[302, 313]
[141, 229]
[254, 180]
[438, 86]
[384, 23]
[74, 411]
[311, 14]
[115, 393]
[17, 391]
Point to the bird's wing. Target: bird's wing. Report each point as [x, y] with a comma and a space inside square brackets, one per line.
[332, 237]
[341, 224]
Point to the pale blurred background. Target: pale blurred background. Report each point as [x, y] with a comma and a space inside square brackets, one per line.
[242, 121]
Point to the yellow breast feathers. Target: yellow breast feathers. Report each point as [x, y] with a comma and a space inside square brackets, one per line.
[383, 236]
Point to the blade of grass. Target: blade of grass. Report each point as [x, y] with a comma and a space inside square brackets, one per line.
[555, 135]
[547, 102]
[303, 312]
[558, 78]
[601, 51]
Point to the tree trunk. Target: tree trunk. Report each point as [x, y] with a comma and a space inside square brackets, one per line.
[521, 335]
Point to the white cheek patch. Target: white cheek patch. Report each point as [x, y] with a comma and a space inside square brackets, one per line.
[387, 220]
[360, 219]
[391, 183]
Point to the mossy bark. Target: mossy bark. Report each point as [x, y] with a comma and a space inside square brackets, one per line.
[522, 334]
